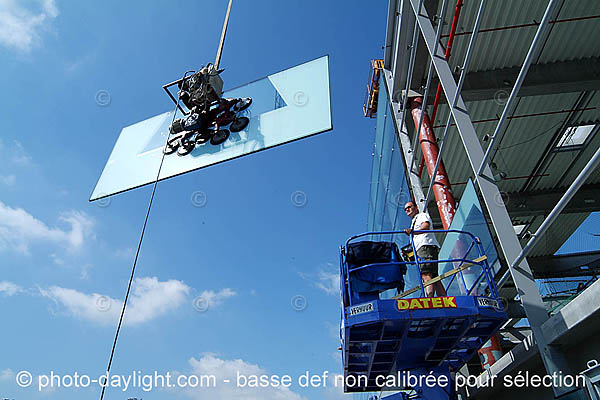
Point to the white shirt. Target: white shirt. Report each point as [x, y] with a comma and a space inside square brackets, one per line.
[423, 238]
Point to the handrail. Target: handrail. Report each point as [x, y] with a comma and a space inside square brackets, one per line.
[465, 263]
[438, 278]
[351, 238]
[353, 270]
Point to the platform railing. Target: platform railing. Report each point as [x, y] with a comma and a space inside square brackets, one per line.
[461, 264]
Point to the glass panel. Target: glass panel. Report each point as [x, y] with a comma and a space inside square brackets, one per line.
[287, 106]
[575, 136]
[376, 164]
[135, 159]
[383, 179]
[389, 139]
[398, 195]
[469, 218]
[389, 187]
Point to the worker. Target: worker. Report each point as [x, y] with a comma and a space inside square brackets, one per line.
[426, 247]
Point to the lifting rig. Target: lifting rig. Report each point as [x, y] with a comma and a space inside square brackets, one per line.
[207, 113]
[372, 95]
[385, 341]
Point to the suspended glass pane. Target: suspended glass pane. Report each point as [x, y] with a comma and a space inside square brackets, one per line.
[287, 106]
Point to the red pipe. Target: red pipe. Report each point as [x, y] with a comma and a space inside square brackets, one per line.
[438, 92]
[429, 143]
[441, 184]
[490, 352]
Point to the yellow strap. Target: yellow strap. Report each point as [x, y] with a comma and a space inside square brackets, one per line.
[440, 277]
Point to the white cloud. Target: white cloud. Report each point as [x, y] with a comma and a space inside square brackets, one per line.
[81, 227]
[152, 298]
[149, 299]
[333, 392]
[9, 288]
[329, 282]
[18, 229]
[216, 298]
[327, 279]
[209, 364]
[93, 307]
[20, 28]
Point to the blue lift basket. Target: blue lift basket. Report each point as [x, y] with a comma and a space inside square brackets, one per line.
[385, 335]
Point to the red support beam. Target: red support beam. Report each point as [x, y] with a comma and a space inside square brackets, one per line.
[441, 184]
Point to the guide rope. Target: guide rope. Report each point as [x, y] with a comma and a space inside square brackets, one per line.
[217, 62]
[137, 253]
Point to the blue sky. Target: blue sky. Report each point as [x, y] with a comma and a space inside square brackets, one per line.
[247, 253]
[217, 286]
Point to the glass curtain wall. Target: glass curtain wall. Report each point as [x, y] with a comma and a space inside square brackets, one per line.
[389, 185]
[389, 193]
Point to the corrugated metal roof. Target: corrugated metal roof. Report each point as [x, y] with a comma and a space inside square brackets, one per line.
[508, 48]
[527, 139]
[525, 136]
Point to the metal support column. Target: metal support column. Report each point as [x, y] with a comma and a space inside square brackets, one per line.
[509, 243]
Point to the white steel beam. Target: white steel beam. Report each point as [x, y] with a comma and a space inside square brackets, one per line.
[404, 140]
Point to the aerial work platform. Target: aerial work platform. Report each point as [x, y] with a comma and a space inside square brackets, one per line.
[411, 332]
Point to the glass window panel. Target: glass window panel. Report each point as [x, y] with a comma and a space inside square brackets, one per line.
[398, 195]
[287, 106]
[469, 218]
[575, 135]
[389, 141]
[376, 165]
[134, 160]
[389, 187]
[384, 170]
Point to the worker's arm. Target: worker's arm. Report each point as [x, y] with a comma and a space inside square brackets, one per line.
[424, 226]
